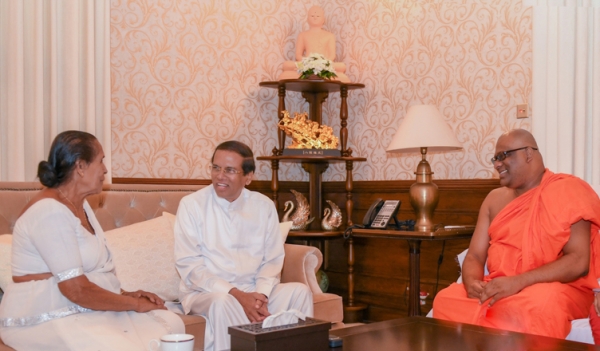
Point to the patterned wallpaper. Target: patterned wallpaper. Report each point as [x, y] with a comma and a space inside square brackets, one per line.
[185, 77]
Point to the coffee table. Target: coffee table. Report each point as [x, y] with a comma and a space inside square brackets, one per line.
[428, 334]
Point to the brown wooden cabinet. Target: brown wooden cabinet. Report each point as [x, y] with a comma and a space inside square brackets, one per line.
[315, 92]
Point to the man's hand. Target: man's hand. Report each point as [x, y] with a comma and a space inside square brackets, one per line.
[254, 304]
[499, 288]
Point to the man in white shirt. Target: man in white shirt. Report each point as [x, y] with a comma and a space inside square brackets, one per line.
[229, 251]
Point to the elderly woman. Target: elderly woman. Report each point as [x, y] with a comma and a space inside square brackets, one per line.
[65, 294]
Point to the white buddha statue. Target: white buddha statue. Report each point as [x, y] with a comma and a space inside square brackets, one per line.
[315, 40]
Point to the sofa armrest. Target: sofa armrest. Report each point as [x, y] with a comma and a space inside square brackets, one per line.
[300, 265]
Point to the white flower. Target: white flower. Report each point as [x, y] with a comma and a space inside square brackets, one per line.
[316, 64]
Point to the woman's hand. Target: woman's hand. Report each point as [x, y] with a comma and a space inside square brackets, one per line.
[89, 295]
[146, 301]
[145, 305]
[148, 295]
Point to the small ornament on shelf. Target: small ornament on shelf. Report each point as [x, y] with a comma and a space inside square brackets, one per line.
[300, 217]
[332, 218]
[307, 134]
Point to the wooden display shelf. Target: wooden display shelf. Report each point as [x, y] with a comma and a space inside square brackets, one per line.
[315, 92]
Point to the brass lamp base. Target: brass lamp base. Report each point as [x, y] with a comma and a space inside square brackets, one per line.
[424, 196]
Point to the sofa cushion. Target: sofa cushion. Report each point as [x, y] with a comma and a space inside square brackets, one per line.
[144, 257]
[285, 227]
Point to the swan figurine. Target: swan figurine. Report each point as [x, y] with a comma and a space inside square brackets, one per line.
[300, 217]
[332, 218]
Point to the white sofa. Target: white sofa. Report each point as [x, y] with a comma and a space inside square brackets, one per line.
[580, 328]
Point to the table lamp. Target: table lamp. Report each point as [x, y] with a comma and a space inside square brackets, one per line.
[422, 129]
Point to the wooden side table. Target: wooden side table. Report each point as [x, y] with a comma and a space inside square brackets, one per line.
[414, 239]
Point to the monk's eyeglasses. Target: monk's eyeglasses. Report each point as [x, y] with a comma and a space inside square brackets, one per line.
[504, 154]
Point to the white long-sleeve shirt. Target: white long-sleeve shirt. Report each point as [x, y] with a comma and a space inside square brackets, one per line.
[220, 245]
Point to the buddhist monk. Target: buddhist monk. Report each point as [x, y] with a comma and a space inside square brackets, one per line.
[538, 234]
[315, 40]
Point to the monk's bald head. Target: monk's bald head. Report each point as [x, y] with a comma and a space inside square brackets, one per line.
[519, 137]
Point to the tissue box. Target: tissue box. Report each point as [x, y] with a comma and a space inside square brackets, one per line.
[311, 334]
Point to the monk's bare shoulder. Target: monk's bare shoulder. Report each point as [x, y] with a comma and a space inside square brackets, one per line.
[496, 200]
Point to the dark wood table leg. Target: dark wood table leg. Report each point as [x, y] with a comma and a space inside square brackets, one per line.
[414, 249]
[275, 182]
[349, 188]
[344, 121]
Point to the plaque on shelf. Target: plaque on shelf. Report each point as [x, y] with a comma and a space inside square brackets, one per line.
[312, 152]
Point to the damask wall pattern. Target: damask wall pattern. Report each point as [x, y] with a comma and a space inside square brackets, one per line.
[185, 77]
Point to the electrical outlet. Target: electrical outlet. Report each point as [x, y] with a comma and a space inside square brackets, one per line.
[522, 111]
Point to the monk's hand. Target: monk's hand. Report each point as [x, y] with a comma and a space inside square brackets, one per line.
[475, 289]
[253, 303]
[499, 288]
[597, 303]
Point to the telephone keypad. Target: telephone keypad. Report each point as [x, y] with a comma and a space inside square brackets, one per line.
[383, 217]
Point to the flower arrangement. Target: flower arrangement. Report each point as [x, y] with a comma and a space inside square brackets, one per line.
[316, 64]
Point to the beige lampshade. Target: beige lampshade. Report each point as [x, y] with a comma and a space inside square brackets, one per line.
[423, 126]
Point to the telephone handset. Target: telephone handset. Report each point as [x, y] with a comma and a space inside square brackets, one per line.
[380, 213]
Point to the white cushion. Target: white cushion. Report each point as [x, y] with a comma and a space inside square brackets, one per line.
[581, 331]
[5, 257]
[144, 256]
[285, 227]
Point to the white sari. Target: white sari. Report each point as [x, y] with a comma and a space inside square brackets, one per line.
[35, 315]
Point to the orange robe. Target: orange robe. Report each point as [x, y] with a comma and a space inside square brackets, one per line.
[528, 233]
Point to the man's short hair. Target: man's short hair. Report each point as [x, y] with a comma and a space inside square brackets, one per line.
[241, 149]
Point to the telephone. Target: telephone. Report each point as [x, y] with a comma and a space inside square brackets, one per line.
[379, 214]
